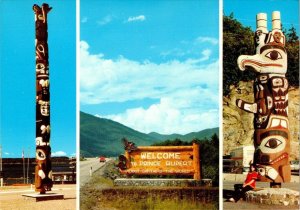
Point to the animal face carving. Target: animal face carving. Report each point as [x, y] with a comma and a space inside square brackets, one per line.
[270, 109]
[271, 56]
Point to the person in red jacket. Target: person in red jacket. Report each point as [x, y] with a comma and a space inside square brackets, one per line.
[249, 184]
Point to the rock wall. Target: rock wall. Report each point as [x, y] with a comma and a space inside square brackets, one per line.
[274, 196]
[238, 125]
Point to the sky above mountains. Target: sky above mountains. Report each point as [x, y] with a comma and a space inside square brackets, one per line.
[151, 65]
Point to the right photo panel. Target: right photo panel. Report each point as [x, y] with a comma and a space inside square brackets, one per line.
[261, 104]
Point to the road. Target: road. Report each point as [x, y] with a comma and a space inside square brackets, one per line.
[11, 198]
[85, 168]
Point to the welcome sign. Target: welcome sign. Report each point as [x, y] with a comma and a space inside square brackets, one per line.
[163, 160]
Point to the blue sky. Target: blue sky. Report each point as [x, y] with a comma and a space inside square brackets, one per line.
[17, 77]
[245, 11]
[151, 65]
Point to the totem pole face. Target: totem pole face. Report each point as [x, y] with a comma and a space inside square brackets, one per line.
[271, 135]
[43, 173]
[270, 54]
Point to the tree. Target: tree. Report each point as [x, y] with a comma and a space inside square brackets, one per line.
[237, 40]
[292, 48]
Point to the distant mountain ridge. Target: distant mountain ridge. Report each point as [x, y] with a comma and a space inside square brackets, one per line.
[100, 136]
[207, 133]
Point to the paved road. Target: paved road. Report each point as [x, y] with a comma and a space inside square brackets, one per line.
[11, 198]
[85, 168]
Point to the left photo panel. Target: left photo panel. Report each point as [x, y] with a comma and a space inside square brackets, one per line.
[38, 120]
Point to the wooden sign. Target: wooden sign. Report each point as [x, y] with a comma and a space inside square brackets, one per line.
[163, 160]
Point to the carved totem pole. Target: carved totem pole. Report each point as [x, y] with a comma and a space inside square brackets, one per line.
[43, 172]
[271, 126]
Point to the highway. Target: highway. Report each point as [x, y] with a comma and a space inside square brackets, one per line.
[85, 168]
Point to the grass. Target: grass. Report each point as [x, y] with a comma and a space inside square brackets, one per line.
[156, 203]
[99, 193]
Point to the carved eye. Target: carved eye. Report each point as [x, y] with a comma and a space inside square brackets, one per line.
[273, 143]
[40, 154]
[274, 55]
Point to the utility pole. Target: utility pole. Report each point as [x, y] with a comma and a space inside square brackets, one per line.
[1, 172]
[23, 159]
[28, 165]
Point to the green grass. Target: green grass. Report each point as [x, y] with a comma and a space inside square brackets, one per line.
[99, 193]
[157, 203]
[102, 181]
[92, 198]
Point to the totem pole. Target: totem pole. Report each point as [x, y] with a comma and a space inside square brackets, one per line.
[271, 126]
[43, 172]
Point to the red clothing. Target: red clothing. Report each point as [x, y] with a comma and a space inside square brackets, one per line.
[251, 176]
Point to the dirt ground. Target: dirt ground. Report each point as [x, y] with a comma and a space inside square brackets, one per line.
[11, 198]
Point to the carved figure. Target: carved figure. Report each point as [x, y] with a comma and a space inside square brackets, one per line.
[129, 146]
[271, 135]
[43, 171]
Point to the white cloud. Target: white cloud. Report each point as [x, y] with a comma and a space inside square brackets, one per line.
[211, 40]
[187, 91]
[168, 117]
[6, 153]
[136, 18]
[105, 20]
[84, 19]
[206, 54]
[175, 52]
[192, 48]
[58, 153]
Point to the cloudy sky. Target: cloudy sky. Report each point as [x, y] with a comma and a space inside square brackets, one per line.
[151, 65]
[17, 77]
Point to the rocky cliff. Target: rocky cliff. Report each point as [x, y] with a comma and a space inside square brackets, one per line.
[238, 125]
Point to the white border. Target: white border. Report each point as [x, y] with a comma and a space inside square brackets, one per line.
[220, 104]
[77, 104]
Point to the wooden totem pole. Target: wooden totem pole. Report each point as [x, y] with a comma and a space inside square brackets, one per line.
[43, 172]
[271, 126]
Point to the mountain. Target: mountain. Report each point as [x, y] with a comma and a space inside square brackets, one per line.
[99, 136]
[207, 133]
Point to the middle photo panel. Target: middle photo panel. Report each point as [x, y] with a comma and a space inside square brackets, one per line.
[149, 104]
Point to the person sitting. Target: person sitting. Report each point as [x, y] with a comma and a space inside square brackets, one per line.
[249, 184]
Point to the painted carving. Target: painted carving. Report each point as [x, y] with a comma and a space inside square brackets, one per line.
[271, 135]
[43, 172]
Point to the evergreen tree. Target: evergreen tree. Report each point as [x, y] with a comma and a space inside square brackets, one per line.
[292, 48]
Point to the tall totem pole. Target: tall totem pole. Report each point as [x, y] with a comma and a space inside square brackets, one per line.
[271, 126]
[43, 171]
